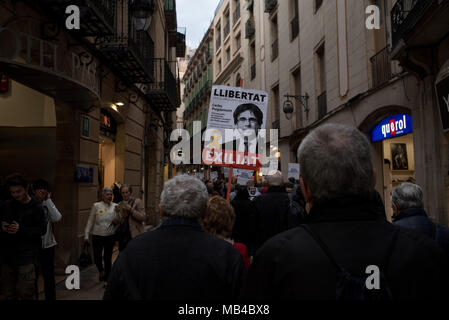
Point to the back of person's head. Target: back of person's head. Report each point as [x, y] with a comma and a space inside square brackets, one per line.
[275, 179]
[407, 195]
[219, 218]
[242, 192]
[16, 180]
[41, 184]
[336, 163]
[184, 197]
[292, 180]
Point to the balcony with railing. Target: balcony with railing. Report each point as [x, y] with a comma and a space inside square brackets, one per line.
[129, 52]
[163, 93]
[170, 14]
[250, 28]
[236, 15]
[294, 25]
[381, 67]
[97, 16]
[270, 5]
[322, 105]
[274, 50]
[181, 43]
[405, 15]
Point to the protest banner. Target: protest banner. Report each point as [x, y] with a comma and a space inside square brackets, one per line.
[236, 120]
[293, 171]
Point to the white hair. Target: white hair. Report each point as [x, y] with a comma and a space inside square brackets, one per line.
[407, 195]
[336, 162]
[107, 189]
[184, 196]
[275, 179]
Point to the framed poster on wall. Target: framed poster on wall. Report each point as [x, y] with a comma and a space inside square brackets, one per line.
[399, 157]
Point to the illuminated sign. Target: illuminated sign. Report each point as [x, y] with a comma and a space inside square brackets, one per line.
[392, 127]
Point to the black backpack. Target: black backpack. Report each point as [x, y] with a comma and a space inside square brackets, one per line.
[352, 286]
[85, 258]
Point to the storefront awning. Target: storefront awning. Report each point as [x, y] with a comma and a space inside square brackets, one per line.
[53, 84]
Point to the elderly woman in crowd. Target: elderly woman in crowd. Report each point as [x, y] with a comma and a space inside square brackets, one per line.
[219, 221]
[103, 217]
[132, 217]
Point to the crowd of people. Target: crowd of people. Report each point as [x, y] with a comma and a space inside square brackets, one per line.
[322, 237]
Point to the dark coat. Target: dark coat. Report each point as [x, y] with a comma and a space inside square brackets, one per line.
[271, 218]
[293, 266]
[416, 219]
[245, 214]
[22, 248]
[177, 261]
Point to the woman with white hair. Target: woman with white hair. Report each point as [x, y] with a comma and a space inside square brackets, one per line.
[102, 219]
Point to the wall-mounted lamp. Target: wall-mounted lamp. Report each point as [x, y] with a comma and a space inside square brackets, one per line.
[120, 104]
[288, 107]
[142, 11]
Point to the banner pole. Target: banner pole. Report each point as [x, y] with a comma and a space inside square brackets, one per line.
[228, 196]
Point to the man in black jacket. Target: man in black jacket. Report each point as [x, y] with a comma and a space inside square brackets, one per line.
[407, 202]
[271, 209]
[23, 223]
[178, 261]
[337, 179]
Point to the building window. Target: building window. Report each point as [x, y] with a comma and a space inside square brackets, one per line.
[252, 55]
[275, 111]
[219, 65]
[318, 4]
[236, 15]
[238, 42]
[294, 21]
[227, 25]
[321, 85]
[238, 81]
[218, 37]
[274, 38]
[228, 54]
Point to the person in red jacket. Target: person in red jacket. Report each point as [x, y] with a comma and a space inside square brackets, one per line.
[219, 221]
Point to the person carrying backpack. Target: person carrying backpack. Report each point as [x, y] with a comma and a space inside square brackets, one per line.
[346, 250]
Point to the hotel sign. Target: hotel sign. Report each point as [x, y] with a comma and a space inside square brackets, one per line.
[23, 49]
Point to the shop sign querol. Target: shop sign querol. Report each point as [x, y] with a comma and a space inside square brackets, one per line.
[392, 127]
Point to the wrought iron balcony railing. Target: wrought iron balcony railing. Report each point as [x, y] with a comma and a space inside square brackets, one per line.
[381, 67]
[163, 93]
[181, 43]
[405, 15]
[97, 16]
[294, 24]
[250, 28]
[270, 5]
[322, 105]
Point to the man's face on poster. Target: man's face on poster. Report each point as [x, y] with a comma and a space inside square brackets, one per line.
[247, 120]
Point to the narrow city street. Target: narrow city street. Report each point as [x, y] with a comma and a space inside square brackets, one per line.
[90, 287]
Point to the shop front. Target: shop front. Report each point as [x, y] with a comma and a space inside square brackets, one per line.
[393, 136]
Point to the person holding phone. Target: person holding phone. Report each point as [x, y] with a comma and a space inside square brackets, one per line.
[22, 226]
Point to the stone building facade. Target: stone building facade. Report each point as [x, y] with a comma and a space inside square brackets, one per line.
[88, 109]
[321, 56]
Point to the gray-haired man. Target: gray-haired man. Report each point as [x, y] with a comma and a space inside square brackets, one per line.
[408, 207]
[344, 230]
[178, 261]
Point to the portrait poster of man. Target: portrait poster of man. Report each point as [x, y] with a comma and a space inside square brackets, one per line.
[399, 156]
[235, 117]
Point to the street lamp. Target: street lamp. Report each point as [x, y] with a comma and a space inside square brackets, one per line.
[141, 11]
[288, 107]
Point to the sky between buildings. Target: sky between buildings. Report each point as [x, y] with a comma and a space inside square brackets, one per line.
[196, 16]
